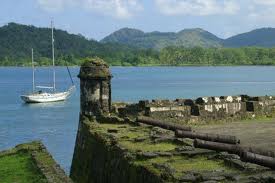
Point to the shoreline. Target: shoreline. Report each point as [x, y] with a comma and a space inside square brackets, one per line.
[149, 66]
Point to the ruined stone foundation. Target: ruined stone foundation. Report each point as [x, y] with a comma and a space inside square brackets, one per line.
[126, 143]
[99, 158]
[115, 150]
[200, 110]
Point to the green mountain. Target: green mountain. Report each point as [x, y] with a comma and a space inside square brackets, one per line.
[264, 37]
[131, 47]
[158, 40]
[17, 40]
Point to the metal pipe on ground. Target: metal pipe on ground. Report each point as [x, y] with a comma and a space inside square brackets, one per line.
[245, 155]
[258, 159]
[208, 137]
[260, 151]
[216, 146]
[162, 124]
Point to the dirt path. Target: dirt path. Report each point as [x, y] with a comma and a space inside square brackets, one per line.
[259, 134]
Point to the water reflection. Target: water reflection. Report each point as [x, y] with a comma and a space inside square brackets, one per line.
[59, 104]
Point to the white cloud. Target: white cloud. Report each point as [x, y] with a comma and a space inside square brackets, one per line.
[262, 11]
[121, 9]
[264, 2]
[54, 5]
[118, 8]
[197, 7]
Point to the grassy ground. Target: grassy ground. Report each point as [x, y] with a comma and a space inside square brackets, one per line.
[30, 163]
[19, 168]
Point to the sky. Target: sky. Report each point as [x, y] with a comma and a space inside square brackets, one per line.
[96, 19]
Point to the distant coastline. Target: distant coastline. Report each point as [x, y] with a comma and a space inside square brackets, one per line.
[119, 66]
[120, 49]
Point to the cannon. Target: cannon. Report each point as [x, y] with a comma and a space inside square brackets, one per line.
[216, 146]
[260, 151]
[258, 159]
[243, 152]
[208, 137]
[161, 124]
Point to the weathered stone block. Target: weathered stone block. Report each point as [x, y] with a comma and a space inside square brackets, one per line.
[254, 106]
[95, 87]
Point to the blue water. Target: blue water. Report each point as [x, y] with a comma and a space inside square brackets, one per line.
[56, 124]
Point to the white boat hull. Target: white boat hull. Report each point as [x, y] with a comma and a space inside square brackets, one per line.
[43, 97]
[46, 97]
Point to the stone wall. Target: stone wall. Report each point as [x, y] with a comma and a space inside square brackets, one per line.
[203, 109]
[98, 158]
[115, 150]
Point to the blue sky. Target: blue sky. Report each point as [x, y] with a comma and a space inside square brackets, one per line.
[98, 18]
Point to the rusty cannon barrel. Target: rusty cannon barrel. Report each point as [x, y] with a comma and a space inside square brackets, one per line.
[216, 146]
[208, 137]
[260, 151]
[161, 124]
[265, 161]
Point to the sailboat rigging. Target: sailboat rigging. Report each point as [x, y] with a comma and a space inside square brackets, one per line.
[43, 97]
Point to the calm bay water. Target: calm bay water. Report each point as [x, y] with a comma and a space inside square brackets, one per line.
[56, 124]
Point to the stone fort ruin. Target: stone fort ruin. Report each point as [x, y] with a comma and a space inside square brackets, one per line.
[149, 141]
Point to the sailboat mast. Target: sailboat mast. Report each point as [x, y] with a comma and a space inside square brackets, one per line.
[33, 84]
[53, 57]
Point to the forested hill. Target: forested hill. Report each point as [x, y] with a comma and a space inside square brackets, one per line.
[17, 40]
[129, 47]
[158, 40]
[264, 37]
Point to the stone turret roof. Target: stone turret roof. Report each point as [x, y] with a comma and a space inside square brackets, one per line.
[94, 68]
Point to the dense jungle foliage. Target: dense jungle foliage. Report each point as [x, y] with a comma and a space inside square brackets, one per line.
[17, 40]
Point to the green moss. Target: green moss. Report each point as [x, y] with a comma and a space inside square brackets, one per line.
[148, 146]
[94, 68]
[127, 134]
[125, 131]
[30, 163]
[183, 164]
[121, 147]
[45, 159]
[19, 168]
[95, 61]
[136, 139]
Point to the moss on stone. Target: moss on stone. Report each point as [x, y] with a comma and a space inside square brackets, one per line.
[94, 68]
[95, 61]
[128, 136]
[130, 153]
[183, 165]
[148, 146]
[30, 162]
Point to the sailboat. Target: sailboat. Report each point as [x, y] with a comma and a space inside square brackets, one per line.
[52, 96]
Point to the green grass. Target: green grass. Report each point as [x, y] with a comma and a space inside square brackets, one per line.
[19, 168]
[184, 164]
[126, 135]
[147, 146]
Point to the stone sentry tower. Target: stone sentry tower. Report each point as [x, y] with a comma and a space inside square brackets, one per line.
[95, 87]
